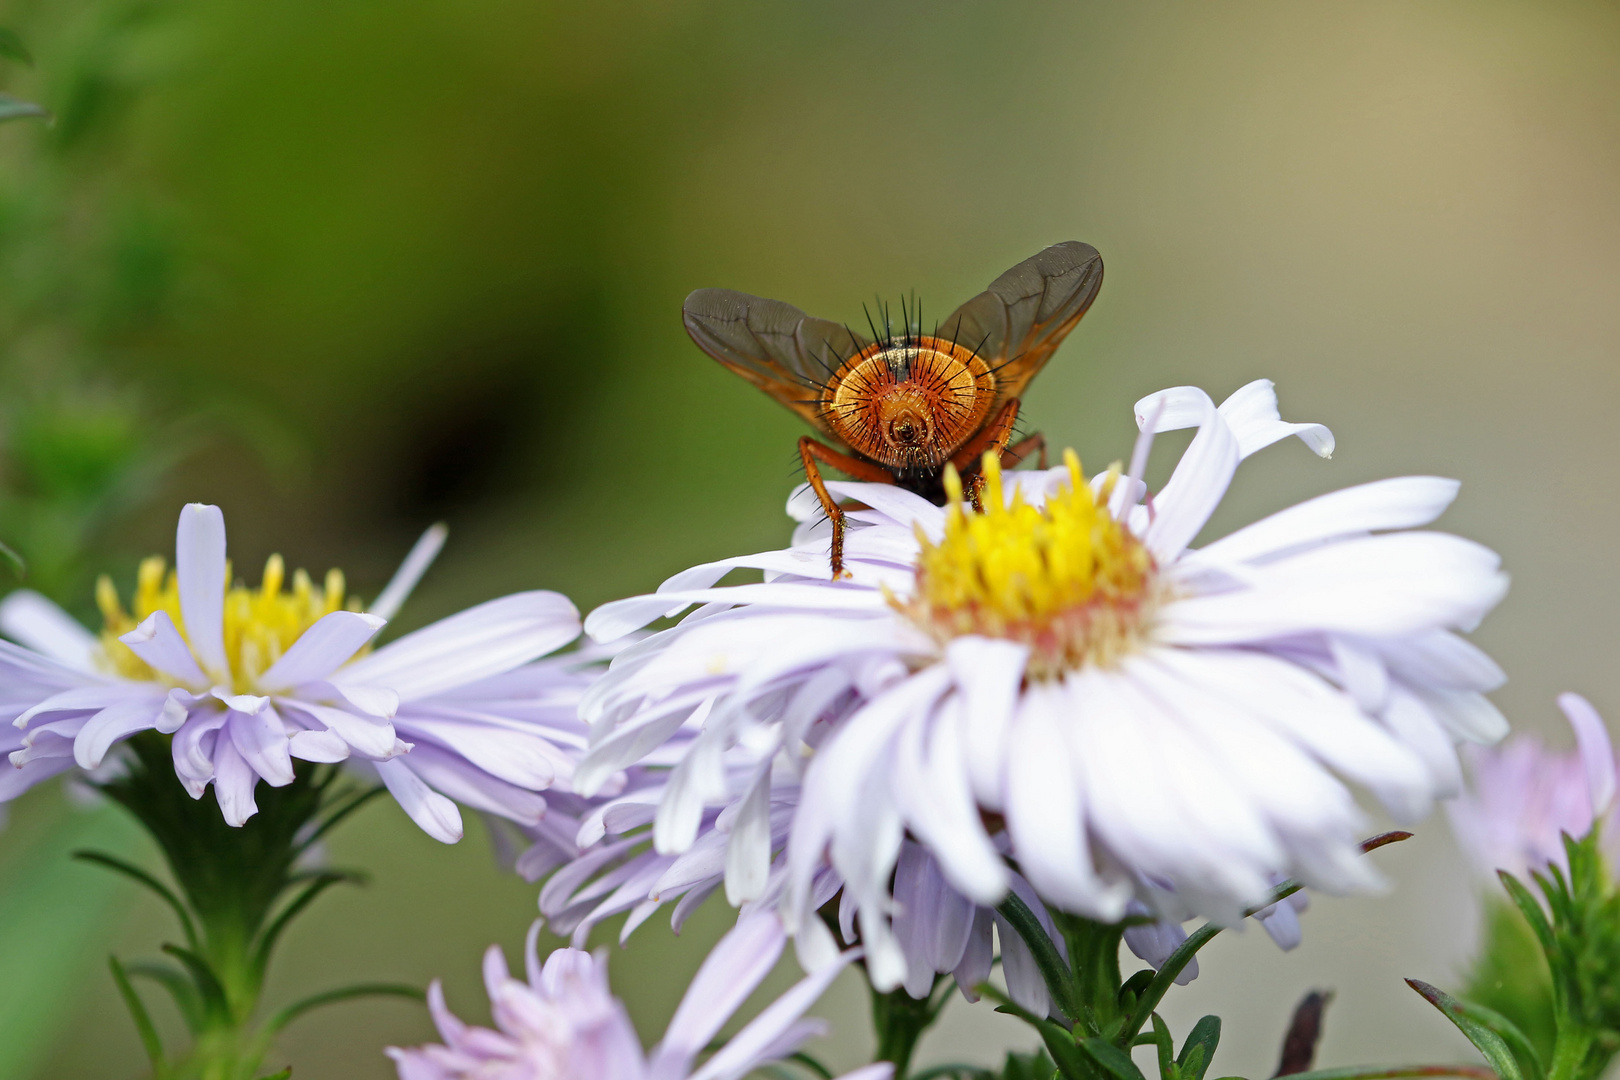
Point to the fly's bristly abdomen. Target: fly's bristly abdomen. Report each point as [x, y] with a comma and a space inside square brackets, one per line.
[908, 403]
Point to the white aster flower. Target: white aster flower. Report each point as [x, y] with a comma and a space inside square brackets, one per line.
[1064, 682]
[1525, 798]
[246, 680]
[564, 1022]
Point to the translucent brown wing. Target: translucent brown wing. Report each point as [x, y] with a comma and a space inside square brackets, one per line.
[775, 346]
[1027, 312]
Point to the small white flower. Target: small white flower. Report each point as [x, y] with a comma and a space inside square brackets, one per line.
[564, 1022]
[246, 680]
[1063, 681]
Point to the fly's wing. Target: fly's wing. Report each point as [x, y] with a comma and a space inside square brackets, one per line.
[775, 346]
[1017, 323]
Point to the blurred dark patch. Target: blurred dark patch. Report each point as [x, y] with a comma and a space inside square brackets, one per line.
[481, 427]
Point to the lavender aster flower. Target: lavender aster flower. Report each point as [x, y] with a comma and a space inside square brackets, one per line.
[1064, 681]
[1525, 798]
[564, 1022]
[246, 680]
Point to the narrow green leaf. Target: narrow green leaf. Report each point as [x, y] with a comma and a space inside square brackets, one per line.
[12, 47]
[1059, 1042]
[269, 935]
[1392, 1072]
[16, 109]
[1199, 1049]
[182, 989]
[143, 1019]
[1059, 980]
[1165, 977]
[802, 1058]
[209, 988]
[18, 567]
[1166, 1045]
[331, 997]
[1491, 1045]
[130, 870]
[1111, 1059]
[284, 1074]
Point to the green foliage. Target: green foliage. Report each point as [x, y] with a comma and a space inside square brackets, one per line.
[1578, 971]
[1511, 976]
[236, 890]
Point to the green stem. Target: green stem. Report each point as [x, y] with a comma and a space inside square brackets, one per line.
[1393, 1072]
[1570, 1051]
[899, 1020]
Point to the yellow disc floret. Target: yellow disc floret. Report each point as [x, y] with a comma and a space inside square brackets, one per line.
[1065, 578]
[260, 624]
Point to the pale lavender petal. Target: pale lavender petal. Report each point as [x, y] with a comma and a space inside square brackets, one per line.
[738, 963]
[321, 649]
[110, 725]
[158, 642]
[762, 1036]
[437, 815]
[416, 563]
[199, 564]
[261, 739]
[1597, 753]
[234, 780]
[482, 641]
[36, 622]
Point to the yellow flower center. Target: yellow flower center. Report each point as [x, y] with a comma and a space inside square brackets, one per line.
[1066, 579]
[260, 624]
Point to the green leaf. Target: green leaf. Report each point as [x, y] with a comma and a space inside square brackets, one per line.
[14, 560]
[135, 873]
[16, 109]
[1490, 1043]
[1059, 980]
[1059, 1041]
[137, 1011]
[1391, 1072]
[184, 992]
[12, 47]
[284, 1074]
[1111, 1059]
[802, 1058]
[209, 988]
[331, 997]
[1166, 1045]
[1199, 1049]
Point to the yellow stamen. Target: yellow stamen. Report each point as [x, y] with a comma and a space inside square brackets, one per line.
[1066, 578]
[260, 624]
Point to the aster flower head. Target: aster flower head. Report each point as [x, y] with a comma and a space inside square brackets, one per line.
[1060, 682]
[564, 1022]
[1524, 798]
[246, 680]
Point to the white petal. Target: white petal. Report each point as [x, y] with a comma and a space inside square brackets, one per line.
[1194, 490]
[1389, 585]
[158, 642]
[192, 763]
[1417, 727]
[748, 850]
[87, 698]
[932, 786]
[1252, 413]
[199, 564]
[482, 641]
[321, 650]
[1405, 502]
[436, 815]
[30, 618]
[988, 674]
[1046, 816]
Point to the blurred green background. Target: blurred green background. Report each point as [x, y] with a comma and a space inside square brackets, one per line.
[349, 268]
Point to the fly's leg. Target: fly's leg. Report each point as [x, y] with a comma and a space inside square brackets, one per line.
[810, 452]
[992, 438]
[1019, 450]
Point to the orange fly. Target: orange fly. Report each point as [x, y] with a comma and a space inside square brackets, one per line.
[905, 405]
